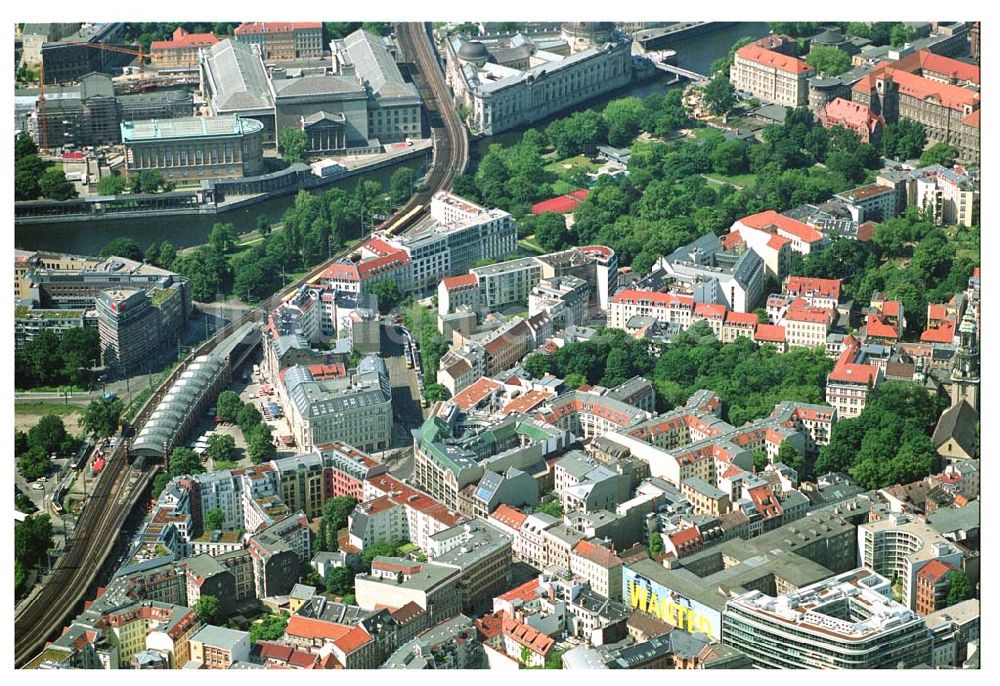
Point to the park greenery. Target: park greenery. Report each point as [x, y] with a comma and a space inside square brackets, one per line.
[256, 433]
[33, 449]
[34, 177]
[271, 627]
[959, 588]
[908, 259]
[749, 378]
[889, 442]
[654, 546]
[57, 359]
[207, 608]
[553, 508]
[183, 461]
[904, 140]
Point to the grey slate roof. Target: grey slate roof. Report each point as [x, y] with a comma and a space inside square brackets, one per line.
[957, 423]
[375, 65]
[237, 75]
[316, 85]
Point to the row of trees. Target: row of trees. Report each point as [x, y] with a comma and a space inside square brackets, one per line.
[146, 181]
[421, 324]
[335, 513]
[257, 434]
[879, 32]
[56, 359]
[32, 541]
[34, 177]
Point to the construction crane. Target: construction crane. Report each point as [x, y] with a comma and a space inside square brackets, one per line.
[43, 130]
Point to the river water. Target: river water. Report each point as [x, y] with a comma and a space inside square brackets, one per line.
[88, 237]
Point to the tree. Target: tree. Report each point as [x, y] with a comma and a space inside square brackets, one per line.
[207, 608]
[168, 253]
[184, 461]
[622, 117]
[401, 185]
[435, 392]
[34, 463]
[214, 519]
[228, 405]
[574, 380]
[553, 508]
[581, 132]
[50, 435]
[551, 232]
[337, 510]
[791, 457]
[255, 277]
[959, 588]
[939, 153]
[24, 145]
[654, 546]
[339, 581]
[828, 61]
[101, 417]
[263, 225]
[248, 417]
[32, 540]
[271, 627]
[147, 181]
[293, 143]
[123, 247]
[554, 660]
[904, 140]
[731, 157]
[760, 460]
[379, 549]
[719, 94]
[53, 184]
[20, 579]
[27, 172]
[223, 237]
[112, 184]
[221, 447]
[387, 293]
[260, 444]
[900, 35]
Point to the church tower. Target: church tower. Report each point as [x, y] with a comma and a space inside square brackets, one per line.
[965, 365]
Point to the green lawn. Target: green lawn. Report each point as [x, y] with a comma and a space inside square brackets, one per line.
[741, 180]
[530, 245]
[569, 166]
[561, 187]
[45, 408]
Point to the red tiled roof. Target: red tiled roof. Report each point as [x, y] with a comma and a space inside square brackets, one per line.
[562, 204]
[777, 242]
[307, 627]
[525, 635]
[710, 311]
[408, 613]
[866, 231]
[770, 333]
[941, 334]
[352, 640]
[183, 39]
[804, 285]
[597, 554]
[490, 625]
[731, 240]
[474, 393]
[935, 570]
[876, 328]
[526, 591]
[770, 58]
[527, 402]
[251, 27]
[511, 516]
[463, 281]
[972, 120]
[890, 308]
[854, 115]
[383, 263]
[765, 502]
[846, 371]
[939, 64]
[684, 537]
[631, 296]
[947, 95]
[769, 218]
[737, 318]
[341, 272]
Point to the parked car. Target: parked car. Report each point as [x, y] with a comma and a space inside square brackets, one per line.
[37, 487]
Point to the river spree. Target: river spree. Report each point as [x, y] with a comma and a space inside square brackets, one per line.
[88, 237]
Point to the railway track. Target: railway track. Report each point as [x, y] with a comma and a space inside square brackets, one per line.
[116, 492]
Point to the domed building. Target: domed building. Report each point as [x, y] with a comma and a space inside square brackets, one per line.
[584, 34]
[474, 52]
